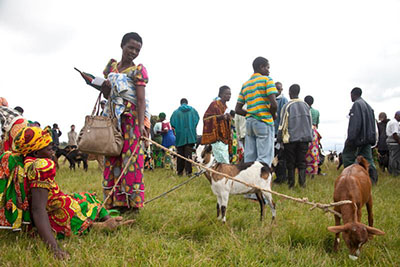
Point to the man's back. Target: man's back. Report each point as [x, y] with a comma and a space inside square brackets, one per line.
[296, 122]
[255, 94]
[361, 129]
[185, 120]
[314, 116]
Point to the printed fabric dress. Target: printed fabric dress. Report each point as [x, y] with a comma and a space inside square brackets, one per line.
[67, 213]
[312, 155]
[130, 191]
[14, 205]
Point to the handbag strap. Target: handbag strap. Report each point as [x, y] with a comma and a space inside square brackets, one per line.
[97, 105]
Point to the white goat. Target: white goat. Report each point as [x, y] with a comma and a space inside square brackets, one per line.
[255, 173]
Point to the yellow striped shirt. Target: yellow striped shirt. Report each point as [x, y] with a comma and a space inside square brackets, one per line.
[255, 94]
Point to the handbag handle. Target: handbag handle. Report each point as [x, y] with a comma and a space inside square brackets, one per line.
[97, 105]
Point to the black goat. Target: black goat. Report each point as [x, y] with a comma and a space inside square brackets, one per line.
[73, 156]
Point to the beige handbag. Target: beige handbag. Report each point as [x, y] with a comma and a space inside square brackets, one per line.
[100, 134]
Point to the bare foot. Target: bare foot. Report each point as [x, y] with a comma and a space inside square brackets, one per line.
[112, 223]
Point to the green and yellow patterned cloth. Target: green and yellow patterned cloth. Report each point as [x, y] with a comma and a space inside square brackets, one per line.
[14, 207]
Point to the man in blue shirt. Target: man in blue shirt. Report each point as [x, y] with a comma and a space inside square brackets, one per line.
[184, 120]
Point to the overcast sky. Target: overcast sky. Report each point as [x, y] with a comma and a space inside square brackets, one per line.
[191, 48]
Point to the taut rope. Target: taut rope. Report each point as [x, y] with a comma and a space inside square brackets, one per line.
[324, 207]
[119, 178]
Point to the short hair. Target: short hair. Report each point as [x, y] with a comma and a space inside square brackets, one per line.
[55, 125]
[222, 89]
[131, 35]
[232, 113]
[72, 125]
[294, 89]
[184, 101]
[259, 62]
[356, 91]
[278, 83]
[309, 100]
[19, 109]
[382, 115]
[162, 115]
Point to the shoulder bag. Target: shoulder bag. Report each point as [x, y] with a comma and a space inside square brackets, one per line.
[100, 134]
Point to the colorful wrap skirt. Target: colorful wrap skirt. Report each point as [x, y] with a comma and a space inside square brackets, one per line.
[312, 155]
[86, 214]
[130, 190]
[14, 206]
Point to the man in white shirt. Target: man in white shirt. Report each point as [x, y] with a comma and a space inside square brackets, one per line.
[393, 142]
[72, 137]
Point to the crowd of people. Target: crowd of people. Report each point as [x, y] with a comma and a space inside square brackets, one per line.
[265, 124]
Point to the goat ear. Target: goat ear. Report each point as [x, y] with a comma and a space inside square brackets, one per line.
[208, 148]
[374, 231]
[337, 229]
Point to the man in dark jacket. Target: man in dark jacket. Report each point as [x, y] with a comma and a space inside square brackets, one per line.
[383, 150]
[361, 134]
[55, 134]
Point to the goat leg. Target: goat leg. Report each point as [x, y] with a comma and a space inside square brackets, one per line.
[370, 215]
[223, 213]
[337, 235]
[260, 198]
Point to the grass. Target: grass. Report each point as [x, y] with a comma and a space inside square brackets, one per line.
[181, 229]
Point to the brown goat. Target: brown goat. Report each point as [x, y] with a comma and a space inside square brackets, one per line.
[354, 184]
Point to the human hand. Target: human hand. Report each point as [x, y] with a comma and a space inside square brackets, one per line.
[142, 130]
[60, 254]
[106, 88]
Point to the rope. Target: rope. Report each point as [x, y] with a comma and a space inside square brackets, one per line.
[324, 207]
[119, 178]
[197, 174]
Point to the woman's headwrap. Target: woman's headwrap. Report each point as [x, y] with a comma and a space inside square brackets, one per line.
[31, 139]
[162, 115]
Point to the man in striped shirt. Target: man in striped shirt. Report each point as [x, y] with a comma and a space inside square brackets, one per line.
[259, 95]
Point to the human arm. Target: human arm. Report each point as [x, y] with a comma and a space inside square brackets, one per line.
[273, 105]
[214, 112]
[106, 89]
[355, 123]
[141, 107]
[239, 109]
[42, 223]
[196, 118]
[396, 138]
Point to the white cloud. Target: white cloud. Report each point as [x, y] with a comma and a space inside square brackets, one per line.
[192, 48]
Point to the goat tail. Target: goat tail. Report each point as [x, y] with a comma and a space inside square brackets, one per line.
[363, 162]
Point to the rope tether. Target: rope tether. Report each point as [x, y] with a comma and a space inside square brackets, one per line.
[324, 207]
[197, 174]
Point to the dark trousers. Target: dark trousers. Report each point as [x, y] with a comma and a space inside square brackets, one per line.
[350, 154]
[295, 156]
[280, 169]
[185, 151]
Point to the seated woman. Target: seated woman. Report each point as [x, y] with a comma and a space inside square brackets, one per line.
[51, 209]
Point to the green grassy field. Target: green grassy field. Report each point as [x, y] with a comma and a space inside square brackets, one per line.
[181, 229]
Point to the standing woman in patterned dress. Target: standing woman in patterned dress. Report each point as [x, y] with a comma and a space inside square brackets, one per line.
[125, 89]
